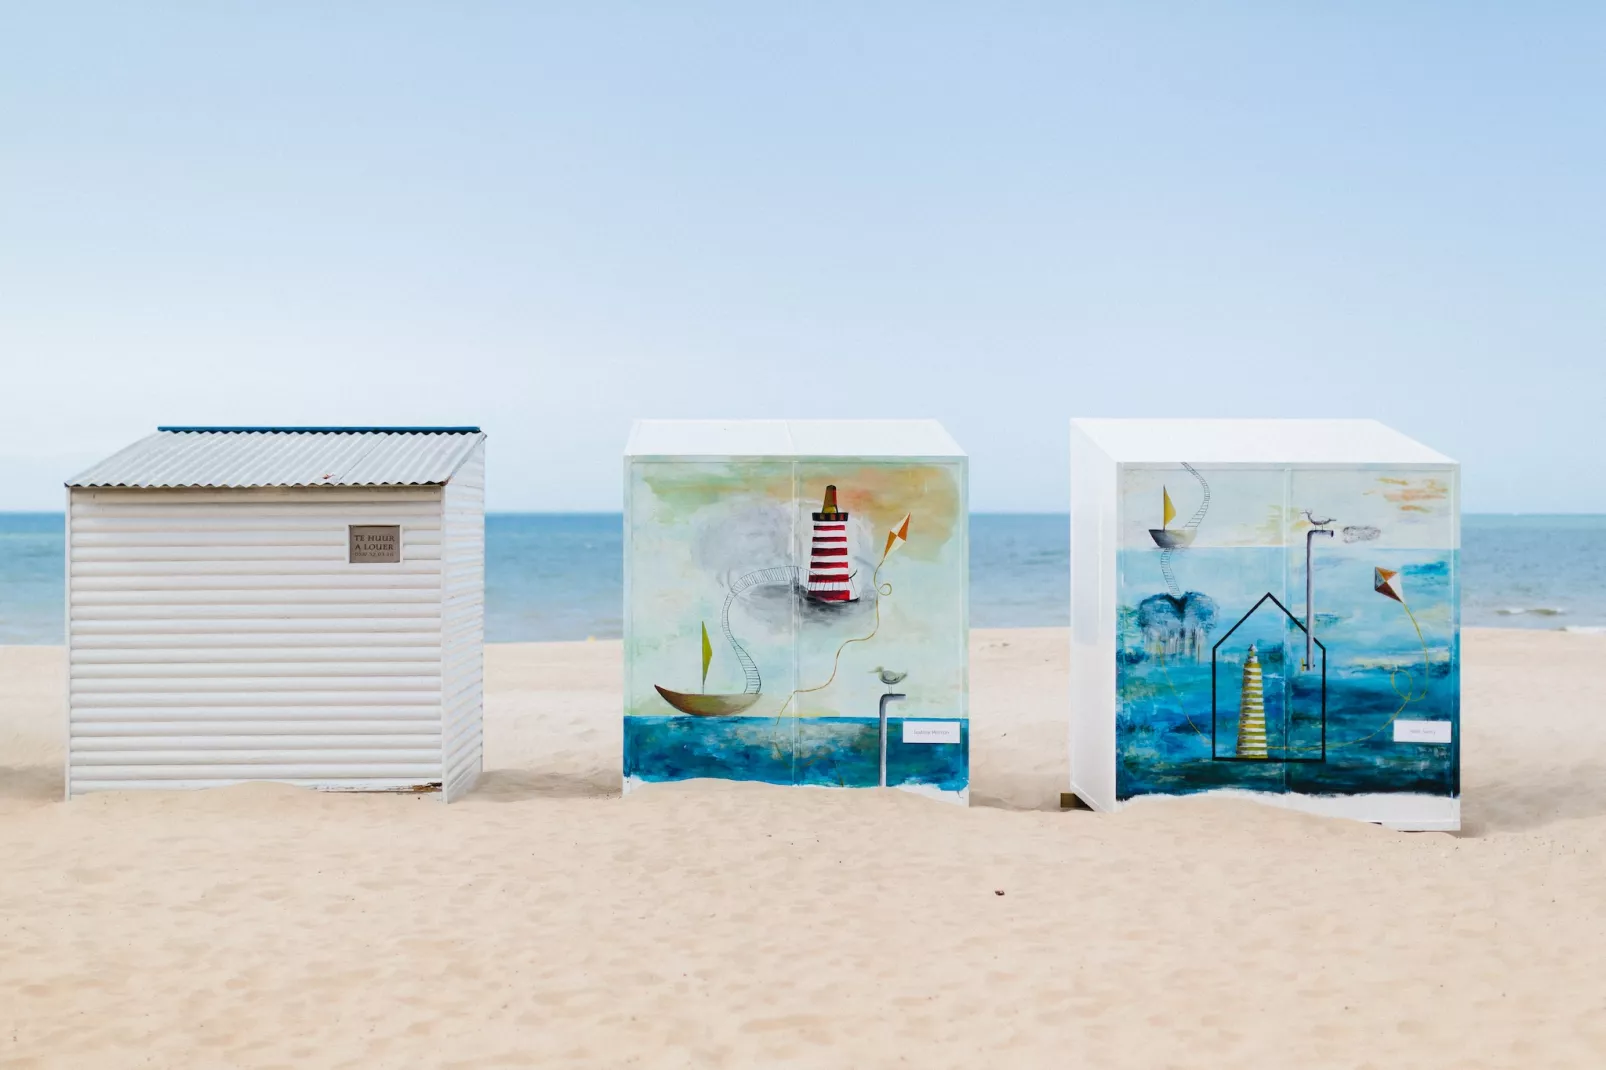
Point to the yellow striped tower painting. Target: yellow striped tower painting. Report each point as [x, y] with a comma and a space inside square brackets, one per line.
[1252, 710]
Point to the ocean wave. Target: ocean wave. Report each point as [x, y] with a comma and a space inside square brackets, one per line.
[1367, 663]
[1538, 611]
[1584, 629]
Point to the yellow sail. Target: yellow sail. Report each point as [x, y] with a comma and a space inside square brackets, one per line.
[1170, 510]
[708, 656]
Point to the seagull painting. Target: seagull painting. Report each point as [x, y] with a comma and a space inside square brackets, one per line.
[889, 677]
[1317, 523]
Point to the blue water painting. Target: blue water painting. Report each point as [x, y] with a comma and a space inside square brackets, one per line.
[839, 752]
[1214, 686]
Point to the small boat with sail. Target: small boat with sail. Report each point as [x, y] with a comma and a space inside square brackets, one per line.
[703, 704]
[1165, 536]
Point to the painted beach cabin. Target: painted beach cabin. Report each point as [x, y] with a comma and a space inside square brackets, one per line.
[1267, 608]
[795, 604]
[292, 604]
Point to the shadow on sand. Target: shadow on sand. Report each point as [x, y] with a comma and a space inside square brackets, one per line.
[32, 783]
[517, 785]
[1570, 794]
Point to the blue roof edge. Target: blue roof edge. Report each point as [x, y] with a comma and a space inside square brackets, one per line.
[321, 430]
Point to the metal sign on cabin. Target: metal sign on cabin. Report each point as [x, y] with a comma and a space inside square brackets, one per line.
[374, 544]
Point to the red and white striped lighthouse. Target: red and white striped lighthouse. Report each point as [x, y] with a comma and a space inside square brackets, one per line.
[829, 577]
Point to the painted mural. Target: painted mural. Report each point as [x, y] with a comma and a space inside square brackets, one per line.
[797, 622]
[1287, 630]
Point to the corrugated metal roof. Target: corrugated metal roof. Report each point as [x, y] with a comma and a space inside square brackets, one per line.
[280, 429]
[285, 458]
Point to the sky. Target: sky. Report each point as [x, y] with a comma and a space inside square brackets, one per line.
[549, 220]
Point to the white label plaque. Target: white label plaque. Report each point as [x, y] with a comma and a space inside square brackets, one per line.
[374, 544]
[931, 731]
[1421, 731]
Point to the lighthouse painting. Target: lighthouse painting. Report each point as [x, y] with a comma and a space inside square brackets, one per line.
[765, 599]
[830, 571]
[1252, 710]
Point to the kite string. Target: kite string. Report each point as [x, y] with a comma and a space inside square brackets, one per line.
[882, 590]
[1406, 697]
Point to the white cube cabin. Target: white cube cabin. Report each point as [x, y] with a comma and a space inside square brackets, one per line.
[1266, 608]
[303, 605]
[795, 604]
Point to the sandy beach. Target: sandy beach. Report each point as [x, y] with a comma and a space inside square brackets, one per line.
[547, 921]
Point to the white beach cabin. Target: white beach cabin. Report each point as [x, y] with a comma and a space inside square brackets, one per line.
[796, 604]
[1267, 609]
[295, 604]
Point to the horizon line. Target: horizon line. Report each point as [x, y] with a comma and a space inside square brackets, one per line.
[972, 512]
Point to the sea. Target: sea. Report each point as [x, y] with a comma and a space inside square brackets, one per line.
[551, 576]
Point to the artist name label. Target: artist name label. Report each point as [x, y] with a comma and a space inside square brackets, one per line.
[1421, 731]
[931, 731]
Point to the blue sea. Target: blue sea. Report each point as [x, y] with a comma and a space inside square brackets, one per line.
[557, 575]
[1177, 730]
[841, 752]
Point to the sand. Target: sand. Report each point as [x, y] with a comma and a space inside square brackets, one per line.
[546, 921]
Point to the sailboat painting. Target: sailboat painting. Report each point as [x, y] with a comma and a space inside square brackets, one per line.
[703, 704]
[1166, 537]
[766, 600]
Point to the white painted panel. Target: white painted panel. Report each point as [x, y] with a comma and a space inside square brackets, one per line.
[365, 698]
[131, 717]
[121, 656]
[83, 785]
[871, 438]
[417, 772]
[463, 627]
[419, 753]
[159, 622]
[696, 438]
[1093, 581]
[181, 615]
[285, 731]
[222, 636]
[790, 438]
[294, 679]
[118, 635]
[200, 574]
[232, 543]
[1233, 441]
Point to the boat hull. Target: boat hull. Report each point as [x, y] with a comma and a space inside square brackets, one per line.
[1170, 539]
[707, 705]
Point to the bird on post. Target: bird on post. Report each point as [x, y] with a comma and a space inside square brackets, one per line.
[889, 677]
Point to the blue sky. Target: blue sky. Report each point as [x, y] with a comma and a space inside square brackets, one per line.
[549, 220]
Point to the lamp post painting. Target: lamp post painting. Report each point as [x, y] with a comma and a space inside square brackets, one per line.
[1310, 605]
